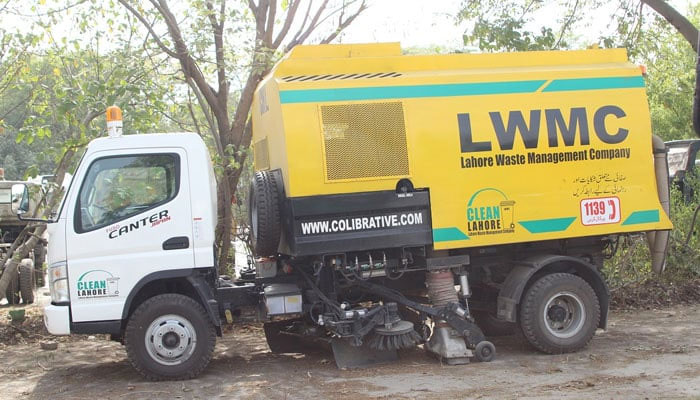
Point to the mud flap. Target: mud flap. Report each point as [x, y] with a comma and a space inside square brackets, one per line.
[347, 356]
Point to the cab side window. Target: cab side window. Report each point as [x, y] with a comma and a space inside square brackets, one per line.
[116, 188]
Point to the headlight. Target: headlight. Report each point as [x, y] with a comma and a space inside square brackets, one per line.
[58, 282]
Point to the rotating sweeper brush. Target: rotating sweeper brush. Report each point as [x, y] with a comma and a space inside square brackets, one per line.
[394, 336]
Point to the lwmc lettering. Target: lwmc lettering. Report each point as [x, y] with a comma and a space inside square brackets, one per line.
[559, 129]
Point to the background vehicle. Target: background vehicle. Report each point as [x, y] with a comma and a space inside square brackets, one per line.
[382, 182]
[684, 164]
[31, 271]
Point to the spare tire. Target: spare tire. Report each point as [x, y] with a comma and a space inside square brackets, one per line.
[264, 213]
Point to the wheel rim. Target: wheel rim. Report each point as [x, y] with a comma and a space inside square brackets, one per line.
[564, 315]
[171, 339]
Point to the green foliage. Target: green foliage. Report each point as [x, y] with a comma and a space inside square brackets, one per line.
[631, 264]
[671, 77]
[507, 26]
[684, 250]
[670, 84]
[522, 25]
[64, 86]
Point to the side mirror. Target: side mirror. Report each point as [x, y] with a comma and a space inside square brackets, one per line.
[20, 198]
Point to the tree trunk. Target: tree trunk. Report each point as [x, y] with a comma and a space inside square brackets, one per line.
[224, 228]
[681, 23]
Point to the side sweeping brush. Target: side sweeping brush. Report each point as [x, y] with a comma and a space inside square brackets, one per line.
[399, 335]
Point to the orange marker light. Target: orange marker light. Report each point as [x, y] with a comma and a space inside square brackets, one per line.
[114, 113]
[114, 121]
[643, 68]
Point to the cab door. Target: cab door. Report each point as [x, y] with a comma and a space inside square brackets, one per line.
[130, 218]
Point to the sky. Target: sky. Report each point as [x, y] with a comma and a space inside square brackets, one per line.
[428, 23]
[414, 23]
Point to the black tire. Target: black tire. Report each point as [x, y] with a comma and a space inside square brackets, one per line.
[485, 351]
[559, 313]
[186, 317]
[26, 282]
[491, 325]
[279, 342]
[12, 291]
[264, 213]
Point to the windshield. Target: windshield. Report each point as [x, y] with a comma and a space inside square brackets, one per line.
[677, 160]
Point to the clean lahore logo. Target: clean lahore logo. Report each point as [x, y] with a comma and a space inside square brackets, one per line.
[97, 283]
[489, 211]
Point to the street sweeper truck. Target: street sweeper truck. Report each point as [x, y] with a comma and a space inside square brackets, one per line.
[397, 200]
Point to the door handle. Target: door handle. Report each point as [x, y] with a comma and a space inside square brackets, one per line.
[178, 242]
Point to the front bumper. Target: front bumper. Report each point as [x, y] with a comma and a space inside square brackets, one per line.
[57, 319]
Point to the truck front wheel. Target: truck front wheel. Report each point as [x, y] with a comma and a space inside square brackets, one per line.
[169, 337]
[559, 313]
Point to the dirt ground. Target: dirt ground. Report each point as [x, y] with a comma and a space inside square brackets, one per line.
[643, 354]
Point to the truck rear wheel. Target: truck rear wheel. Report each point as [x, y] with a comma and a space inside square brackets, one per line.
[169, 337]
[26, 281]
[559, 313]
[264, 213]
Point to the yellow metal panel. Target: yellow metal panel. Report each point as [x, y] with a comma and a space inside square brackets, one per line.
[513, 147]
[430, 64]
[269, 129]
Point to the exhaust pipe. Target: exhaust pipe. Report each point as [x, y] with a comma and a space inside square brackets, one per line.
[658, 240]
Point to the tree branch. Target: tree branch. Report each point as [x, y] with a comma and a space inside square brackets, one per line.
[149, 27]
[189, 66]
[291, 13]
[681, 23]
[344, 24]
[267, 38]
[218, 28]
[302, 34]
[566, 25]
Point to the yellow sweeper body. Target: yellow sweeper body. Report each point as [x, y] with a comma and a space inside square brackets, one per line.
[515, 147]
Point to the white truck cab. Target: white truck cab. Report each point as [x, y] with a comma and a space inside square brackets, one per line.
[141, 211]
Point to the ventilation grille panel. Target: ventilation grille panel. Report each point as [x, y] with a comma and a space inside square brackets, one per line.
[261, 154]
[364, 140]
